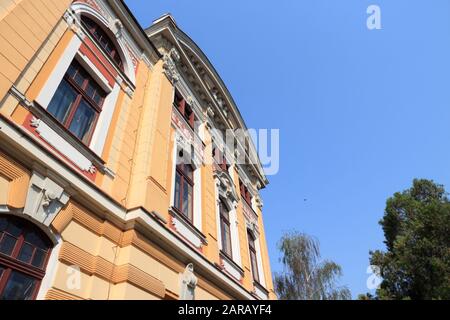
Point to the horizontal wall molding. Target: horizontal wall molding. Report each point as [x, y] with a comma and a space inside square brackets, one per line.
[79, 214]
[56, 294]
[98, 266]
[18, 178]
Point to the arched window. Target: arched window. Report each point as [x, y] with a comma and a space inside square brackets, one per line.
[103, 40]
[24, 253]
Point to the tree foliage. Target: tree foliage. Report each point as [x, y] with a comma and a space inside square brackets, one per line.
[305, 277]
[416, 263]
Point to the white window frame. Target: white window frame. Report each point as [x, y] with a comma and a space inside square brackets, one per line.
[46, 94]
[259, 263]
[197, 220]
[234, 231]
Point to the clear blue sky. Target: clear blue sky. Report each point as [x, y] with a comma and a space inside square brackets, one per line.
[361, 113]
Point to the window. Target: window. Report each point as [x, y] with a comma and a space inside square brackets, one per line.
[184, 108]
[225, 229]
[245, 194]
[24, 253]
[103, 40]
[77, 102]
[220, 159]
[253, 259]
[184, 186]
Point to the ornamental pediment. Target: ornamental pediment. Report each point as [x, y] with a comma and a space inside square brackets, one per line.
[226, 187]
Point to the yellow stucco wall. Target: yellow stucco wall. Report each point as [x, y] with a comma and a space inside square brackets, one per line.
[24, 27]
[138, 149]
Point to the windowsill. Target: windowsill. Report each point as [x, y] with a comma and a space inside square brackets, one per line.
[40, 113]
[182, 216]
[260, 286]
[226, 257]
[260, 291]
[188, 224]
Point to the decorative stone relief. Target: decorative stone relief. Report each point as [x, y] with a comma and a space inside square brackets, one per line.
[188, 283]
[210, 111]
[226, 188]
[116, 26]
[72, 22]
[35, 122]
[259, 202]
[162, 43]
[253, 228]
[95, 6]
[69, 17]
[169, 64]
[45, 199]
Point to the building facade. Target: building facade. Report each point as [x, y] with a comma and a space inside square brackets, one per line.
[116, 180]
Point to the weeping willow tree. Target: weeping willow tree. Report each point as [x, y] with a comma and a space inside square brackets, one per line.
[305, 276]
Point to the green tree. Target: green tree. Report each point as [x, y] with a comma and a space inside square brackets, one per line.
[305, 277]
[416, 263]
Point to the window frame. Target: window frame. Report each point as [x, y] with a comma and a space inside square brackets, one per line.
[220, 158]
[81, 95]
[11, 263]
[184, 108]
[225, 222]
[253, 256]
[92, 27]
[245, 194]
[184, 180]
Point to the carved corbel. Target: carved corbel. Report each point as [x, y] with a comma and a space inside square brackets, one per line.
[170, 60]
[116, 26]
[259, 202]
[45, 198]
[73, 23]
